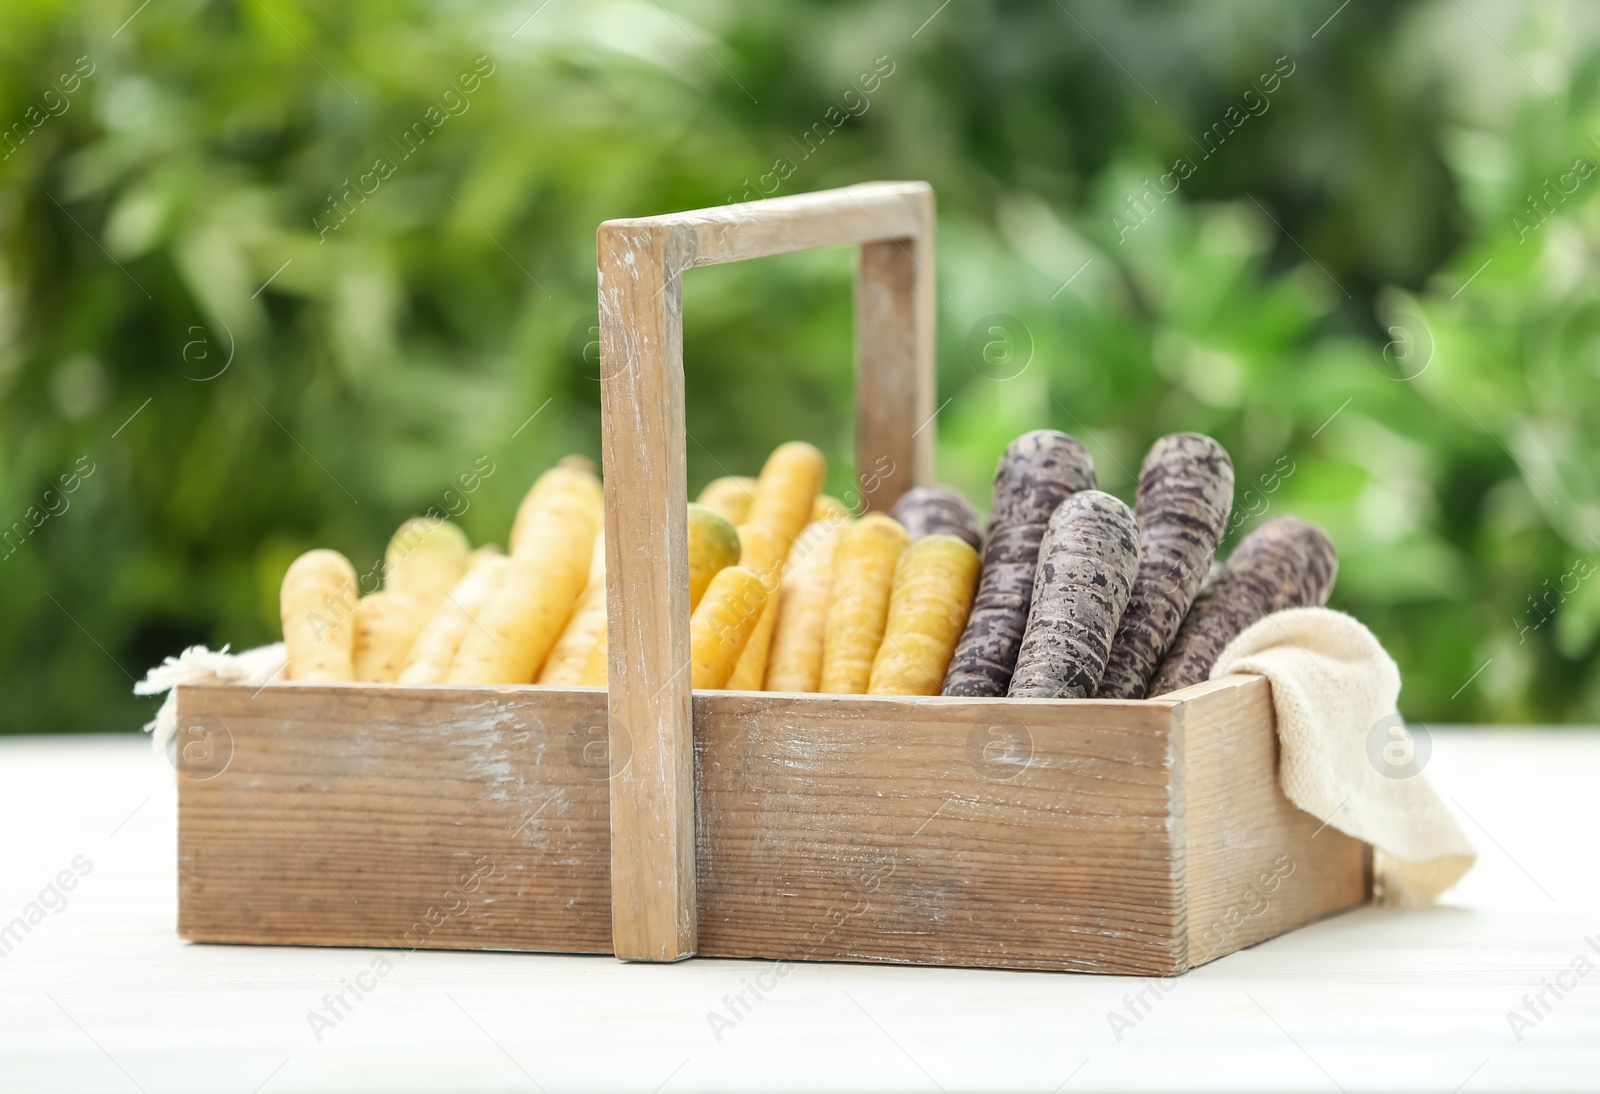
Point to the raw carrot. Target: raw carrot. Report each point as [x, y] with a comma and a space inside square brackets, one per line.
[435, 648]
[564, 488]
[513, 633]
[1087, 564]
[713, 545]
[425, 558]
[827, 507]
[794, 661]
[938, 510]
[786, 492]
[1037, 472]
[729, 497]
[762, 552]
[317, 602]
[564, 667]
[759, 550]
[597, 666]
[1185, 492]
[386, 626]
[858, 604]
[933, 589]
[1285, 563]
[721, 626]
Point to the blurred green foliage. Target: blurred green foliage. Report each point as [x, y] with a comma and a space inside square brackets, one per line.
[262, 317]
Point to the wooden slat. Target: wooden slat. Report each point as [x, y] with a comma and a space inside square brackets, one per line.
[895, 425]
[1257, 866]
[641, 262]
[799, 222]
[1009, 833]
[647, 593]
[358, 815]
[1124, 837]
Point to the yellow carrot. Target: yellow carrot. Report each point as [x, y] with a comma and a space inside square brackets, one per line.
[858, 604]
[588, 623]
[787, 490]
[721, 626]
[425, 559]
[563, 488]
[762, 552]
[513, 634]
[713, 544]
[933, 589]
[794, 662]
[386, 626]
[751, 672]
[317, 602]
[828, 507]
[597, 667]
[719, 629]
[729, 497]
[435, 648]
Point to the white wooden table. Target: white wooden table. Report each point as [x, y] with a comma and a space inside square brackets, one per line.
[101, 995]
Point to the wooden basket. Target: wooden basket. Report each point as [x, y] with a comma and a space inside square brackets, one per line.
[1094, 835]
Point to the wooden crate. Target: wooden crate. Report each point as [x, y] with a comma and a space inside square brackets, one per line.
[1131, 837]
[655, 823]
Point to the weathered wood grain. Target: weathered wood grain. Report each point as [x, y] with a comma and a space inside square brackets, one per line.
[864, 213]
[895, 425]
[358, 815]
[1138, 837]
[1257, 866]
[641, 263]
[1007, 833]
[647, 590]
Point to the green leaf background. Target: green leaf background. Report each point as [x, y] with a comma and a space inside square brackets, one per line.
[1362, 283]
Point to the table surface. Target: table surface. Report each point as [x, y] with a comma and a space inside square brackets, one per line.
[102, 995]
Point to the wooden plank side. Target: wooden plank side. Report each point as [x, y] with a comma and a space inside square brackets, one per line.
[641, 263]
[797, 222]
[1006, 833]
[1257, 866]
[895, 384]
[647, 593]
[367, 815]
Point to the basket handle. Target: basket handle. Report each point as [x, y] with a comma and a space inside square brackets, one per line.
[641, 264]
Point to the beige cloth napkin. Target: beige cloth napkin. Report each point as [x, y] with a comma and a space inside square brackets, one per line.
[198, 665]
[1345, 750]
